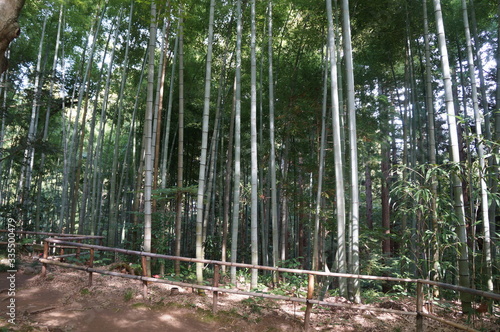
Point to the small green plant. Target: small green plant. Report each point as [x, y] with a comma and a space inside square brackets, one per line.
[102, 259]
[291, 283]
[129, 293]
[254, 303]
[188, 274]
[137, 269]
[84, 291]
[371, 295]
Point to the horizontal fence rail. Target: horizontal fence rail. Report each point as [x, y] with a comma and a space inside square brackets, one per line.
[97, 237]
[240, 265]
[66, 241]
[225, 290]
[308, 301]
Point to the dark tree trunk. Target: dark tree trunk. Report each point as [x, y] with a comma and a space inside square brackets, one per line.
[9, 27]
[369, 196]
[386, 222]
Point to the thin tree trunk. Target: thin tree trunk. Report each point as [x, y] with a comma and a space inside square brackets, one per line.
[166, 138]
[157, 127]
[227, 179]
[385, 152]
[159, 104]
[263, 214]
[66, 156]
[208, 218]
[480, 71]
[284, 200]
[131, 145]
[492, 183]
[3, 111]
[369, 196]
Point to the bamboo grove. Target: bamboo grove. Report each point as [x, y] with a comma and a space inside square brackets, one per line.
[354, 136]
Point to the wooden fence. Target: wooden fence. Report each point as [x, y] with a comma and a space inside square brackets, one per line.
[72, 241]
[37, 246]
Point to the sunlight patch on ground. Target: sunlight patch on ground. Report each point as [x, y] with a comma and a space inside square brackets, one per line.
[127, 324]
[55, 318]
[171, 320]
[385, 316]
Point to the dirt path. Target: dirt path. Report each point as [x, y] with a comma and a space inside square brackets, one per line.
[63, 302]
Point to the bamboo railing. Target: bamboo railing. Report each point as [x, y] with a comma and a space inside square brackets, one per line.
[87, 237]
[78, 238]
[309, 301]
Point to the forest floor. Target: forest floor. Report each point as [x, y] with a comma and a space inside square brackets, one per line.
[63, 302]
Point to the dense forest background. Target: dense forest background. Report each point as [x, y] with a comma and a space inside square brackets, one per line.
[342, 135]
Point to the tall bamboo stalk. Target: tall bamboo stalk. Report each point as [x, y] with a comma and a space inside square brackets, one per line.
[148, 139]
[431, 148]
[272, 152]
[253, 147]
[480, 151]
[180, 146]
[204, 145]
[166, 137]
[321, 163]
[47, 120]
[76, 145]
[29, 152]
[94, 159]
[339, 173]
[114, 196]
[351, 110]
[463, 256]
[237, 145]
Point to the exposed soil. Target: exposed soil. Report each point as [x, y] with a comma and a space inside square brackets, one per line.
[63, 302]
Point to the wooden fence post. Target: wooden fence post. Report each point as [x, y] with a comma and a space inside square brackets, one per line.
[91, 264]
[78, 249]
[144, 274]
[310, 293]
[216, 284]
[420, 305]
[45, 255]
